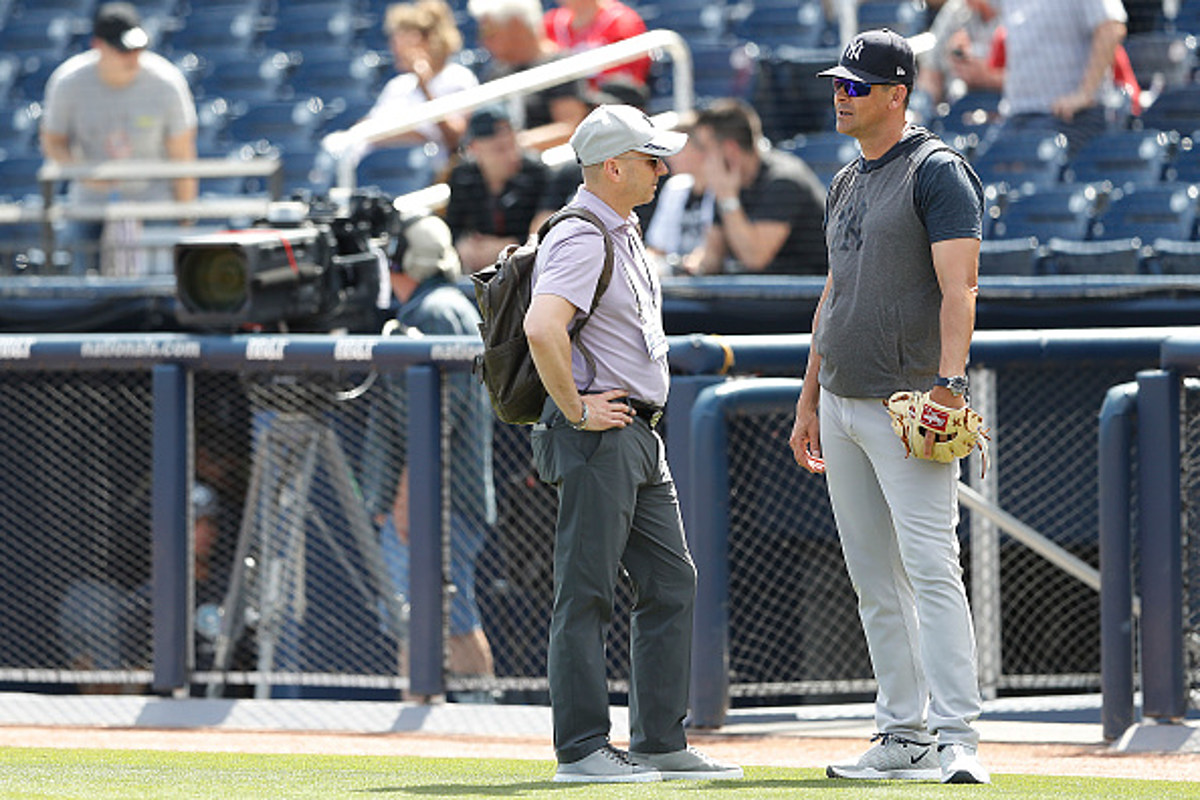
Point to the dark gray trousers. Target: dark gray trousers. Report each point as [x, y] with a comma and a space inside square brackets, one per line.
[617, 508]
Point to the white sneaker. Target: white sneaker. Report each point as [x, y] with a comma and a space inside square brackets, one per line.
[893, 758]
[688, 764]
[606, 765]
[960, 764]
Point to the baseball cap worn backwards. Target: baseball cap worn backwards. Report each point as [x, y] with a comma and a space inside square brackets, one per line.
[880, 56]
[119, 25]
[614, 129]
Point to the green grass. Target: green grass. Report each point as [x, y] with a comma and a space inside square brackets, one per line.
[99, 774]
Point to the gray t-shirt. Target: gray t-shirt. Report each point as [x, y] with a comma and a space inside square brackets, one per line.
[569, 262]
[879, 330]
[1047, 48]
[133, 122]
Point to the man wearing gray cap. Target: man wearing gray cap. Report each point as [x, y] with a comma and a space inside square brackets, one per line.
[596, 442]
[118, 101]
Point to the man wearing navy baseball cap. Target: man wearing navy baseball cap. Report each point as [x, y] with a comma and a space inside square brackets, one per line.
[876, 57]
[903, 223]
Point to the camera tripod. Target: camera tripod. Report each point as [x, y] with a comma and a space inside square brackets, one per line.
[268, 584]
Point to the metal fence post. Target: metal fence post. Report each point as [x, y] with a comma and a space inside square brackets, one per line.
[170, 523]
[985, 544]
[1164, 695]
[426, 643]
[1116, 561]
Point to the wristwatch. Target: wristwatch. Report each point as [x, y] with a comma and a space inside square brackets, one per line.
[957, 384]
[729, 205]
[582, 424]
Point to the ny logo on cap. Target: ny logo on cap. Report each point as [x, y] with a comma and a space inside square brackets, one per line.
[853, 50]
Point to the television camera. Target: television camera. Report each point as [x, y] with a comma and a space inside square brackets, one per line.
[311, 265]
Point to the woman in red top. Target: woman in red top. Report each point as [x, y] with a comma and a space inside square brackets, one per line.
[583, 24]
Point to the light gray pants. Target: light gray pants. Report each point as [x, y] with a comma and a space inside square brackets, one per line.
[896, 517]
[617, 508]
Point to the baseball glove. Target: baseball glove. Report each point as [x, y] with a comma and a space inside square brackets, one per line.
[957, 431]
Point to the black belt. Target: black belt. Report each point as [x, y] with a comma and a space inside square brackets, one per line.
[647, 411]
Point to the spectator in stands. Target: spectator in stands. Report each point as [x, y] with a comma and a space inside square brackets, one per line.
[683, 214]
[512, 33]
[584, 24]
[118, 101]
[1058, 59]
[423, 37]
[770, 205]
[963, 30]
[495, 191]
[424, 268]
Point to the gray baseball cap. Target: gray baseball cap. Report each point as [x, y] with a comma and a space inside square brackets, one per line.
[614, 129]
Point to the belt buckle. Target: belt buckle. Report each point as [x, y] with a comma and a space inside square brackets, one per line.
[655, 417]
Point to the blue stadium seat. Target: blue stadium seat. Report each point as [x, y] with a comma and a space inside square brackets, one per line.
[1185, 166]
[396, 170]
[1176, 109]
[330, 76]
[1018, 256]
[1165, 211]
[1120, 158]
[906, 17]
[787, 96]
[216, 33]
[1162, 58]
[825, 152]
[18, 177]
[694, 20]
[971, 113]
[19, 129]
[1065, 212]
[287, 124]
[791, 24]
[32, 83]
[48, 35]
[1108, 257]
[1169, 257]
[247, 81]
[1022, 159]
[309, 26]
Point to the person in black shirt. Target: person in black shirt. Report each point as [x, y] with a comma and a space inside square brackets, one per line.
[494, 191]
[770, 204]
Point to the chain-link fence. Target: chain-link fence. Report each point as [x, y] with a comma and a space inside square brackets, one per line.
[300, 570]
[1190, 497]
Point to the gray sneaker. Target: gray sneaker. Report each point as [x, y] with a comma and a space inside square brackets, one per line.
[606, 765]
[893, 758]
[689, 764]
[960, 764]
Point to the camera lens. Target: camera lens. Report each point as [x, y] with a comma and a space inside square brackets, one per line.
[214, 279]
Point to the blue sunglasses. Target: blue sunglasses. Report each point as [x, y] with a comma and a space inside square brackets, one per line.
[851, 88]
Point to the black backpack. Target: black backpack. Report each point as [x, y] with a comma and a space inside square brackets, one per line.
[503, 292]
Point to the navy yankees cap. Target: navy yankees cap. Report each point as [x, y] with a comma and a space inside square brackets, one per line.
[880, 56]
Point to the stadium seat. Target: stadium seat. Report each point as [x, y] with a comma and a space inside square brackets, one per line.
[1022, 159]
[32, 83]
[1161, 58]
[694, 20]
[973, 112]
[247, 81]
[791, 24]
[396, 170]
[1185, 165]
[216, 34]
[47, 35]
[1120, 158]
[824, 152]
[1018, 256]
[1108, 257]
[18, 177]
[287, 124]
[19, 129]
[787, 96]
[1170, 257]
[906, 17]
[311, 25]
[1065, 212]
[1176, 109]
[1166, 211]
[354, 79]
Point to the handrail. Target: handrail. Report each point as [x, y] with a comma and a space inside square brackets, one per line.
[156, 169]
[579, 65]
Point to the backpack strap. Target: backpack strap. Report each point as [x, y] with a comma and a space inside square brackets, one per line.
[576, 212]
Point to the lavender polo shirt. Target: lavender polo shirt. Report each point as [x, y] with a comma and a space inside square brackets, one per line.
[568, 265]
